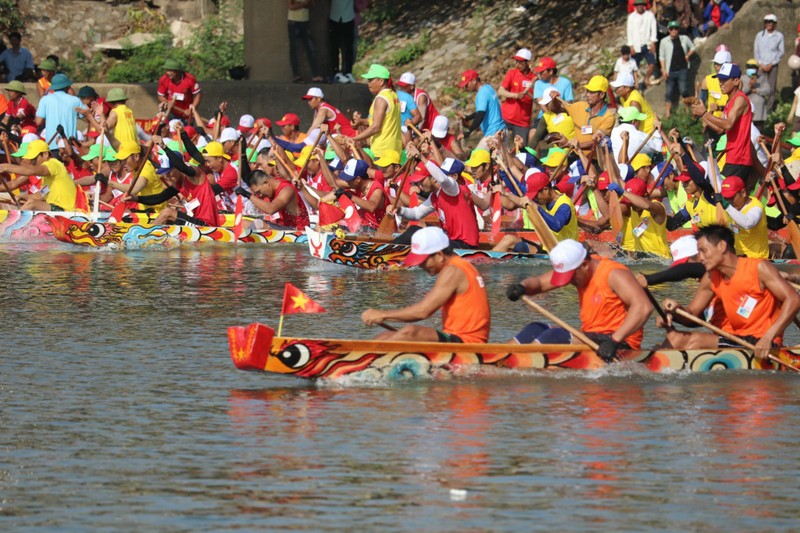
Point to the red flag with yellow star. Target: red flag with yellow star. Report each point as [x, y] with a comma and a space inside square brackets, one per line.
[295, 301]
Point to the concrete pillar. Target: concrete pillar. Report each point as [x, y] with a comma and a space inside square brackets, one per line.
[266, 42]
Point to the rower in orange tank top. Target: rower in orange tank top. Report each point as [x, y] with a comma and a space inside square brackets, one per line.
[459, 292]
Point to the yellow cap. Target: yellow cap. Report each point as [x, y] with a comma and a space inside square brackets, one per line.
[555, 156]
[127, 149]
[478, 157]
[598, 84]
[388, 157]
[35, 148]
[641, 160]
[215, 149]
[304, 156]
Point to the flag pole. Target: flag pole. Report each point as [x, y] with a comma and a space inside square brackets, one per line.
[280, 325]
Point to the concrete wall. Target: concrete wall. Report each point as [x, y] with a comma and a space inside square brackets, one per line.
[260, 99]
[266, 42]
[740, 35]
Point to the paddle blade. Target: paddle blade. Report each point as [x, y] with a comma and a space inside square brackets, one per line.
[615, 213]
[117, 212]
[237, 219]
[387, 227]
[351, 217]
[794, 236]
[497, 211]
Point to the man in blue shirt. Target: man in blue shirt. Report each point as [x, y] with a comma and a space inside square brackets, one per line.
[487, 116]
[16, 59]
[59, 109]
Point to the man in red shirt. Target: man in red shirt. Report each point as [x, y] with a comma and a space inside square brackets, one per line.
[178, 86]
[19, 109]
[325, 113]
[735, 122]
[517, 89]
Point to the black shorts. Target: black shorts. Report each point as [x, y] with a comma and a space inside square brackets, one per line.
[54, 207]
[182, 219]
[448, 337]
[743, 171]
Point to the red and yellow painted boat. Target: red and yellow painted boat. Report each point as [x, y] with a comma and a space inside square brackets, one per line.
[255, 347]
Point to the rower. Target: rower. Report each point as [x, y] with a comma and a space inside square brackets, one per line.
[459, 292]
[61, 191]
[614, 308]
[274, 195]
[450, 200]
[758, 302]
[367, 194]
[556, 209]
[647, 219]
[147, 183]
[748, 222]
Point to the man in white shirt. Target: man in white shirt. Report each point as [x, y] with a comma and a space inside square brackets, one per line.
[642, 38]
[768, 50]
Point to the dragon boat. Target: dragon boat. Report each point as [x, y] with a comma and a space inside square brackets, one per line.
[371, 253]
[142, 236]
[16, 225]
[256, 348]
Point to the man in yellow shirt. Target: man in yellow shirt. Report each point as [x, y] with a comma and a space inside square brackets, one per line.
[592, 115]
[383, 124]
[148, 182]
[629, 96]
[121, 118]
[58, 188]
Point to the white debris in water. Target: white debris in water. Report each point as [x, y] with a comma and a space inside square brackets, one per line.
[458, 495]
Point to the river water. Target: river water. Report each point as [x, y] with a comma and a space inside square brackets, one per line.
[121, 411]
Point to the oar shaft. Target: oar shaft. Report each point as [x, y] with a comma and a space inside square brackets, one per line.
[386, 326]
[578, 334]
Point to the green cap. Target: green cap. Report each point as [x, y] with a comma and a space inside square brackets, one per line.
[16, 86]
[117, 94]
[173, 64]
[629, 114]
[173, 145]
[329, 154]
[369, 152]
[554, 157]
[795, 140]
[47, 64]
[23, 149]
[252, 155]
[377, 71]
[94, 151]
[674, 24]
[723, 141]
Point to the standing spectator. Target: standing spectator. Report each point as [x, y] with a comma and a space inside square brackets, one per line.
[626, 64]
[768, 51]
[487, 115]
[180, 87]
[17, 60]
[795, 72]
[682, 12]
[674, 54]
[59, 109]
[300, 30]
[717, 15]
[642, 38]
[516, 88]
[341, 33]
[755, 84]
[48, 70]
[547, 69]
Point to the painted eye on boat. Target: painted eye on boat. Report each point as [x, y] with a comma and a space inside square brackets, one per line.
[296, 355]
[96, 230]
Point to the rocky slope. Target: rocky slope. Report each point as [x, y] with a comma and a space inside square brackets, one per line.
[438, 40]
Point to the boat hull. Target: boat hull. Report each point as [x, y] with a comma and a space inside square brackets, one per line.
[369, 255]
[255, 347]
[142, 236]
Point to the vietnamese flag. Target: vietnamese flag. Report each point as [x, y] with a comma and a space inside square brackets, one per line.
[351, 217]
[329, 214]
[295, 301]
[497, 211]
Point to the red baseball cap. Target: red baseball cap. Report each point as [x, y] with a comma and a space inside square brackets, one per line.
[545, 63]
[265, 121]
[288, 118]
[190, 131]
[684, 177]
[565, 185]
[794, 186]
[635, 186]
[535, 182]
[467, 76]
[730, 186]
[420, 173]
[603, 181]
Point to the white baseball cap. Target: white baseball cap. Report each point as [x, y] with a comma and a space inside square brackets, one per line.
[440, 126]
[407, 78]
[549, 95]
[425, 242]
[228, 134]
[722, 57]
[566, 257]
[523, 54]
[770, 18]
[624, 79]
[683, 249]
[172, 124]
[30, 137]
[247, 121]
[313, 92]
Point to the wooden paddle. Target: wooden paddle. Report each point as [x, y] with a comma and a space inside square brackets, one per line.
[578, 334]
[794, 230]
[387, 226]
[539, 225]
[730, 336]
[3, 179]
[760, 191]
[712, 174]
[660, 176]
[119, 209]
[96, 205]
[614, 208]
[644, 142]
[386, 326]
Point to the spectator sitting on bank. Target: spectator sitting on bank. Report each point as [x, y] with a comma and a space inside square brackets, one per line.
[626, 64]
[717, 15]
[755, 84]
[17, 60]
[47, 68]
